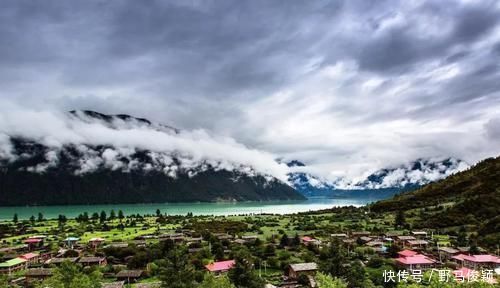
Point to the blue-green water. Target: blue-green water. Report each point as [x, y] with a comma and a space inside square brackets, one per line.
[271, 207]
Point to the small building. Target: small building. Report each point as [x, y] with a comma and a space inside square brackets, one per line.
[96, 242]
[71, 241]
[34, 243]
[37, 274]
[416, 244]
[31, 258]
[129, 276]
[307, 240]
[411, 260]
[249, 238]
[295, 270]
[13, 265]
[223, 236]
[220, 267]
[93, 261]
[365, 239]
[402, 240]
[419, 234]
[447, 253]
[338, 235]
[478, 262]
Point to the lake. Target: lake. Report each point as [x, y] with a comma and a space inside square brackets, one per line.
[268, 207]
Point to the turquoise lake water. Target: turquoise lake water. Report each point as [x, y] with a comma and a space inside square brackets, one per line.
[271, 207]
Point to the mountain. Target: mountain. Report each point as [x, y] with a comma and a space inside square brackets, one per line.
[381, 183]
[84, 170]
[470, 197]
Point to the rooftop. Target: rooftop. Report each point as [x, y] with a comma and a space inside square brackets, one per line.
[407, 253]
[220, 266]
[417, 259]
[38, 272]
[304, 266]
[29, 256]
[12, 262]
[129, 274]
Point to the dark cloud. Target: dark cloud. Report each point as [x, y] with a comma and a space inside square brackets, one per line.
[265, 72]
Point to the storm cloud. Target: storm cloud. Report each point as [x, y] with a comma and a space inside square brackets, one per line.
[345, 86]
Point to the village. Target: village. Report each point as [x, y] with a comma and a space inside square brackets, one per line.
[282, 249]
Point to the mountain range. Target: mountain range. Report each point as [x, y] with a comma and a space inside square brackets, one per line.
[83, 171]
[381, 183]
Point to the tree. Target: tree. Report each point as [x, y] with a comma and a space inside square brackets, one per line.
[40, 217]
[32, 220]
[210, 281]
[333, 259]
[356, 276]
[400, 220]
[462, 237]
[15, 219]
[112, 215]
[120, 215]
[158, 212]
[95, 216]
[102, 217]
[243, 273]
[69, 275]
[175, 271]
[327, 281]
[284, 241]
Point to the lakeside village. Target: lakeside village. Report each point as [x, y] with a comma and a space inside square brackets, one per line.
[340, 247]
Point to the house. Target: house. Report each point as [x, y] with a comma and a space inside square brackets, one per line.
[34, 243]
[249, 238]
[477, 262]
[37, 274]
[411, 260]
[339, 235]
[129, 276]
[13, 265]
[223, 236]
[307, 240]
[377, 246]
[71, 241]
[93, 261]
[401, 240]
[446, 253]
[31, 258]
[176, 237]
[365, 239]
[416, 244]
[419, 234]
[58, 261]
[295, 270]
[96, 242]
[220, 267]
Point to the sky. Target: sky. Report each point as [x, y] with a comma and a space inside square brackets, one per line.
[343, 86]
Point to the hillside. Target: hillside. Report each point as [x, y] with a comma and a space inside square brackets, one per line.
[38, 172]
[471, 197]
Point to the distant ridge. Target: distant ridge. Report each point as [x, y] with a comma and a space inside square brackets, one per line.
[90, 173]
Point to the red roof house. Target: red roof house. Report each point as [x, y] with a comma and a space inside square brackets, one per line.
[411, 260]
[221, 266]
[407, 253]
[478, 261]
